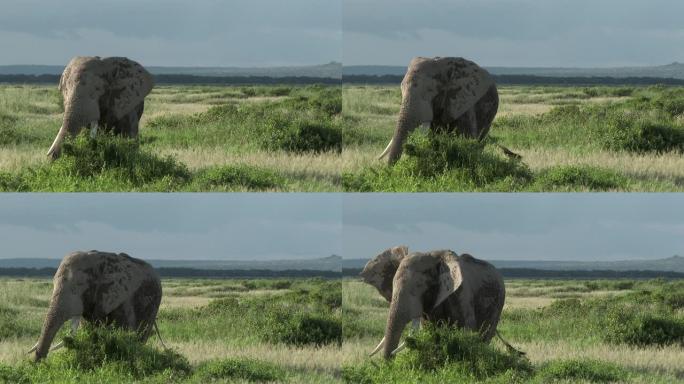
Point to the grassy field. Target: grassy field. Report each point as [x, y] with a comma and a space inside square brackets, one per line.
[572, 332]
[192, 138]
[570, 139]
[224, 330]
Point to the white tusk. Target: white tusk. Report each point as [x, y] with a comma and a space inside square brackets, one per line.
[75, 321]
[386, 149]
[378, 347]
[399, 348]
[34, 347]
[416, 324]
[57, 346]
[93, 130]
[58, 141]
[425, 127]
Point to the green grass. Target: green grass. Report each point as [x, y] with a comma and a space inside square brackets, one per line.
[262, 138]
[567, 340]
[217, 330]
[570, 138]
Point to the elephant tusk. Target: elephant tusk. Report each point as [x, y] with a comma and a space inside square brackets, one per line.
[399, 348]
[93, 130]
[54, 148]
[57, 346]
[378, 347]
[34, 347]
[75, 321]
[386, 149]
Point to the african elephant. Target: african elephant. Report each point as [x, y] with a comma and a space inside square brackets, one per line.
[437, 286]
[107, 93]
[446, 94]
[103, 288]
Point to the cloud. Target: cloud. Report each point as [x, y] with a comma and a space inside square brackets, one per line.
[172, 32]
[515, 33]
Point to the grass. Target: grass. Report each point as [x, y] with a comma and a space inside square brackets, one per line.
[570, 139]
[262, 138]
[216, 330]
[563, 326]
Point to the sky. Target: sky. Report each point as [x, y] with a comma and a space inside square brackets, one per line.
[225, 226]
[517, 226]
[249, 33]
[546, 33]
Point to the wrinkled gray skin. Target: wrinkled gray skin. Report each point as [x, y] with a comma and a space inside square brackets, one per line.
[106, 288]
[448, 94]
[437, 286]
[104, 93]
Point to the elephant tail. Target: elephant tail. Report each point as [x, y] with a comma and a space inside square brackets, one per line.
[156, 328]
[509, 153]
[510, 348]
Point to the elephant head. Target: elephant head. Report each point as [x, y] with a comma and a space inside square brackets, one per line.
[444, 92]
[98, 92]
[108, 288]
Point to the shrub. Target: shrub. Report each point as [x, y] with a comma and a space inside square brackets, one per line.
[630, 326]
[246, 369]
[579, 176]
[230, 177]
[442, 162]
[301, 135]
[634, 133]
[93, 347]
[589, 370]
[303, 329]
[11, 325]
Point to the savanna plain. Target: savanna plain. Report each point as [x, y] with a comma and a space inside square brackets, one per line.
[327, 138]
[192, 138]
[572, 331]
[215, 330]
[569, 138]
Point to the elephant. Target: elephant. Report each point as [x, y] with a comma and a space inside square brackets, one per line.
[102, 288]
[439, 287]
[445, 94]
[108, 93]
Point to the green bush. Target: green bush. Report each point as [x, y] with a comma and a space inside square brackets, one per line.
[229, 177]
[443, 162]
[93, 347]
[577, 176]
[630, 326]
[586, 370]
[632, 132]
[299, 135]
[11, 324]
[438, 353]
[303, 329]
[245, 369]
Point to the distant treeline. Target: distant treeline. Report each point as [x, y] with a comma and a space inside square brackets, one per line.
[190, 272]
[530, 273]
[530, 80]
[188, 79]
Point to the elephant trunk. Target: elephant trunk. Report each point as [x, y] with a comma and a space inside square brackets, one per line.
[396, 322]
[54, 320]
[71, 125]
[406, 123]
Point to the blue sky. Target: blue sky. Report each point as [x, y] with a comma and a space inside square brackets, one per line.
[556, 33]
[173, 32]
[226, 226]
[515, 226]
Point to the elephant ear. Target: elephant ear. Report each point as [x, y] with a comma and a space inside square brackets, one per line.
[379, 272]
[468, 84]
[118, 283]
[129, 84]
[450, 278]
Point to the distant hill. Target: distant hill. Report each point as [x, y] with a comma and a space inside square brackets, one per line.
[671, 71]
[670, 264]
[330, 70]
[330, 263]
